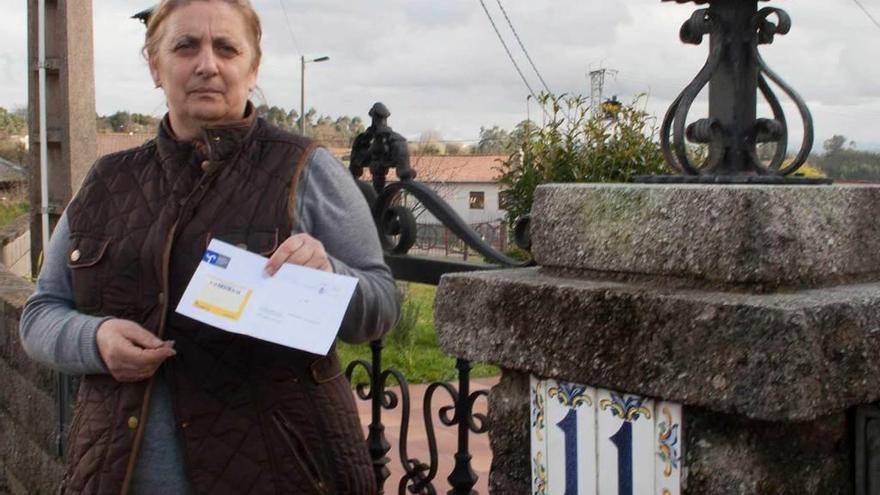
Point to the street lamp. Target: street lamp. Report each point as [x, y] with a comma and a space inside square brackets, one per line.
[528, 111]
[302, 95]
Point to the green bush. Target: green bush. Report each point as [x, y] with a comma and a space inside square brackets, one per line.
[576, 145]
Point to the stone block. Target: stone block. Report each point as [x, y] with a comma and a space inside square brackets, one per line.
[33, 409]
[757, 308]
[13, 292]
[770, 236]
[28, 464]
[794, 356]
[509, 417]
[725, 454]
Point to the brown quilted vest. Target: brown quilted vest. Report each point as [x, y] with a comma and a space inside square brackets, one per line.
[253, 417]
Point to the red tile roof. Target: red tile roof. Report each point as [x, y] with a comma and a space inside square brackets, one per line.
[453, 168]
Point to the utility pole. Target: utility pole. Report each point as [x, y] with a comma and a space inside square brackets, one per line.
[61, 110]
[62, 132]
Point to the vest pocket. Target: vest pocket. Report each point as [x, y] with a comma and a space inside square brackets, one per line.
[84, 259]
[300, 451]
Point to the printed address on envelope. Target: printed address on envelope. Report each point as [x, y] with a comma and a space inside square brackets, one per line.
[299, 307]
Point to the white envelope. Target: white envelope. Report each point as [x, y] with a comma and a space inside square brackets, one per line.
[298, 307]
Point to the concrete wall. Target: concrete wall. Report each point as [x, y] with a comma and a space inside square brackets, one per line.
[15, 239]
[28, 464]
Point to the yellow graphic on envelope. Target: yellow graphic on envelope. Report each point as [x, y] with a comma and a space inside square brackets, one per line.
[223, 298]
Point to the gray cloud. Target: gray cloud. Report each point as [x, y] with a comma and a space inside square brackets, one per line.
[438, 65]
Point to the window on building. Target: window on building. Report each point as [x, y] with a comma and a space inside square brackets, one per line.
[477, 200]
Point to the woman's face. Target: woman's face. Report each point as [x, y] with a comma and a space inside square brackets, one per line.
[205, 65]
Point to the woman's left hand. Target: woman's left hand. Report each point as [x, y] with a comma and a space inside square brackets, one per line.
[300, 249]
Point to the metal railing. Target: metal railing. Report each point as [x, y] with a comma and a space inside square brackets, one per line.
[379, 148]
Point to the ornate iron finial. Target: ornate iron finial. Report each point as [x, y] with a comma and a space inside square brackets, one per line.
[379, 148]
[734, 72]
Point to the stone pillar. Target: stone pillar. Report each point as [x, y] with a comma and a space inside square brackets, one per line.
[756, 307]
[70, 100]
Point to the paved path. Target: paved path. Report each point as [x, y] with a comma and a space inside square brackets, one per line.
[447, 437]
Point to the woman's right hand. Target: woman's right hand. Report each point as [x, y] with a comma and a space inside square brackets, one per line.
[130, 352]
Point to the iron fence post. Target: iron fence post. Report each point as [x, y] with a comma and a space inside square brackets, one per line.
[463, 478]
[376, 442]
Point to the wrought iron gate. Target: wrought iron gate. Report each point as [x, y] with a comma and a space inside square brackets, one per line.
[379, 148]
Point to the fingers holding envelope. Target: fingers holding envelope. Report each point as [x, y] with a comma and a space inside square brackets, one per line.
[300, 249]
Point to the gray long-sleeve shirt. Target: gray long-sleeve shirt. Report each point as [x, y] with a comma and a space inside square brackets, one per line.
[329, 207]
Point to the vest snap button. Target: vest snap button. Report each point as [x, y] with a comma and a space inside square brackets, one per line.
[133, 422]
[184, 425]
[161, 298]
[205, 165]
[75, 255]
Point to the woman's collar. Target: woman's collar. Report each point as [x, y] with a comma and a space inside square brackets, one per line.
[217, 143]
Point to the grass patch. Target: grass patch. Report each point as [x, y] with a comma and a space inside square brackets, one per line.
[13, 203]
[411, 346]
[10, 210]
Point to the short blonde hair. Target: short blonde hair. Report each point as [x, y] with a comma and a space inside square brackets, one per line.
[166, 7]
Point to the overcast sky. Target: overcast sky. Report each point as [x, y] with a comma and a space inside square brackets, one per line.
[438, 65]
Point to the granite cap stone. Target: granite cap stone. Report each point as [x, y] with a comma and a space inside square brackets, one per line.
[791, 356]
[767, 235]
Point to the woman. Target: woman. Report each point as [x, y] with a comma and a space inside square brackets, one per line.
[170, 405]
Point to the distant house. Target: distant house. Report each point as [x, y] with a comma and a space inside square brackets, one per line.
[11, 174]
[469, 183]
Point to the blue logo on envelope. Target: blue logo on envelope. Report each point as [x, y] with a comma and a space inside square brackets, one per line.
[217, 259]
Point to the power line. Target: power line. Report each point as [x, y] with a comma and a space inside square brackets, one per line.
[510, 55]
[874, 20]
[523, 46]
[289, 28]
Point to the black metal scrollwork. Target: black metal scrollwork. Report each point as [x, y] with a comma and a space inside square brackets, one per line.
[379, 149]
[736, 71]
[707, 131]
[419, 475]
[384, 208]
[374, 391]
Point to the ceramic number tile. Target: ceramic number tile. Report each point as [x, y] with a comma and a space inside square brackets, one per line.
[571, 425]
[625, 443]
[588, 479]
[538, 433]
[586, 441]
[668, 448]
